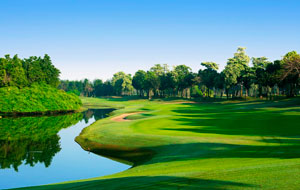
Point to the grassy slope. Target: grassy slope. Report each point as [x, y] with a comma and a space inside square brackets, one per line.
[37, 98]
[229, 145]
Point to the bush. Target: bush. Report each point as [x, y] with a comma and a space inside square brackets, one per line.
[37, 98]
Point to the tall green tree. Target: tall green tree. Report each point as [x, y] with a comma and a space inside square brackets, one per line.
[239, 62]
[12, 73]
[273, 74]
[51, 73]
[98, 87]
[208, 76]
[231, 74]
[87, 88]
[259, 66]
[184, 78]
[248, 78]
[139, 81]
[291, 71]
[158, 69]
[168, 83]
[122, 83]
[108, 89]
[3, 76]
[152, 83]
[291, 64]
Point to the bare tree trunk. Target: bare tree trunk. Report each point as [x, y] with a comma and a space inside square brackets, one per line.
[189, 93]
[241, 90]
[208, 93]
[221, 93]
[260, 91]
[227, 93]
[149, 94]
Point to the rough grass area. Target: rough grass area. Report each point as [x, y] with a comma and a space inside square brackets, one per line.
[225, 145]
[36, 99]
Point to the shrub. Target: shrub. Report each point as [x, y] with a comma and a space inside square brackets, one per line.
[37, 98]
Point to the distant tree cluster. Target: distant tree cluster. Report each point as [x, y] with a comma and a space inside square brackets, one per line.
[87, 88]
[262, 79]
[24, 72]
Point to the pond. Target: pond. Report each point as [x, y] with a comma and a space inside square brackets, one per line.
[42, 150]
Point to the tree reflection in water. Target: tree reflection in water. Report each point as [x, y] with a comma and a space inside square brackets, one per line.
[32, 140]
[97, 113]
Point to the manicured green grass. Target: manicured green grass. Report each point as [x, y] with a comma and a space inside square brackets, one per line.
[224, 145]
[36, 99]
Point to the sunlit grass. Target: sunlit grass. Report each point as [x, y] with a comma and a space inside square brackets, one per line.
[236, 145]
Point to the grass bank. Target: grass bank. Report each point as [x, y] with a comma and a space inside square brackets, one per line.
[36, 100]
[224, 145]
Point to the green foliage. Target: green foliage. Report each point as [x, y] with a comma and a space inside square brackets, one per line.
[234, 69]
[239, 58]
[122, 83]
[158, 69]
[97, 84]
[74, 92]
[291, 64]
[247, 77]
[87, 87]
[210, 65]
[184, 77]
[236, 80]
[260, 62]
[21, 73]
[168, 81]
[37, 98]
[152, 81]
[231, 73]
[139, 81]
[197, 92]
[209, 76]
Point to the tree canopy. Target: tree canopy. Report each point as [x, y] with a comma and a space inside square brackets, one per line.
[24, 72]
[242, 76]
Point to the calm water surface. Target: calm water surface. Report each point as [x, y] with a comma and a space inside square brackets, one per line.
[42, 150]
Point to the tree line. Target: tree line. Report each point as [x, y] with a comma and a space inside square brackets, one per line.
[25, 72]
[262, 78]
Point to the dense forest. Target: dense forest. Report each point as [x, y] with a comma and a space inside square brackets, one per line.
[24, 72]
[261, 78]
[30, 85]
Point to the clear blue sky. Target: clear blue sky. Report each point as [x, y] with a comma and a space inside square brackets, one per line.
[96, 38]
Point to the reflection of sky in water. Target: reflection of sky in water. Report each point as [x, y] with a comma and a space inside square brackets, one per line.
[71, 163]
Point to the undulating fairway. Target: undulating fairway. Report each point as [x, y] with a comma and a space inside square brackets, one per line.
[176, 145]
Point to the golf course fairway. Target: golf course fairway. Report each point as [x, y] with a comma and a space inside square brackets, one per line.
[180, 144]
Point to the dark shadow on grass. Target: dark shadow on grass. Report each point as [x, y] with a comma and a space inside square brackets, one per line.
[127, 155]
[148, 182]
[191, 151]
[229, 119]
[199, 151]
[241, 119]
[282, 141]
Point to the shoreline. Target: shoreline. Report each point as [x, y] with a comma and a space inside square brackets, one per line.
[26, 114]
[185, 144]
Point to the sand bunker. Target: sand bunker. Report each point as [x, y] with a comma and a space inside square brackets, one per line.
[183, 102]
[121, 118]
